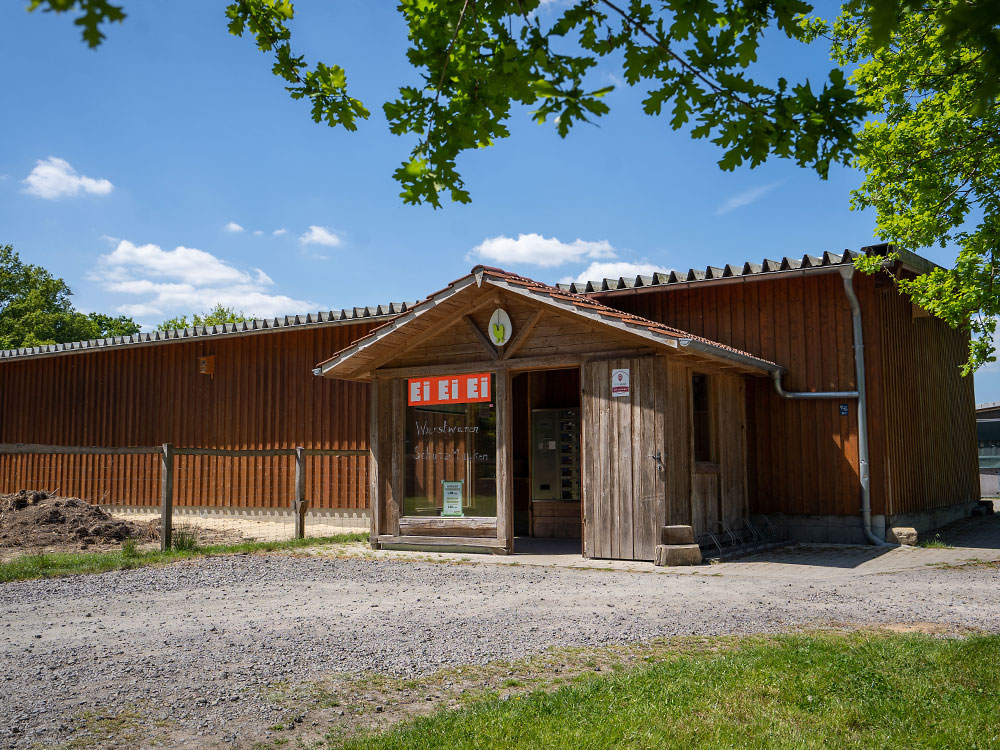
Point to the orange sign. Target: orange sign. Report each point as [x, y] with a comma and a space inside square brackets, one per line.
[448, 389]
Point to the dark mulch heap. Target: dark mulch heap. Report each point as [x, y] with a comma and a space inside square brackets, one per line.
[41, 519]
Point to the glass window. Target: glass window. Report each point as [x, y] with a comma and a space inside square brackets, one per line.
[702, 408]
[451, 452]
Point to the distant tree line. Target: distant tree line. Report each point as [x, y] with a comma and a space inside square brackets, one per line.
[35, 309]
[214, 317]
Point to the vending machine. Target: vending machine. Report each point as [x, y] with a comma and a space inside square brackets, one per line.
[555, 472]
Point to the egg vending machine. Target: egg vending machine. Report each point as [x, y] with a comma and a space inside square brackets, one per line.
[555, 472]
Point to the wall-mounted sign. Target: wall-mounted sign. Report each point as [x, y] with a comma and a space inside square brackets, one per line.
[619, 383]
[448, 389]
[452, 494]
[500, 327]
[843, 410]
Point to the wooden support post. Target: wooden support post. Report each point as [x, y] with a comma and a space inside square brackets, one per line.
[166, 495]
[396, 479]
[299, 504]
[505, 485]
[374, 499]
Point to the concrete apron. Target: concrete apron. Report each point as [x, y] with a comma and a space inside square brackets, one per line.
[833, 529]
[795, 561]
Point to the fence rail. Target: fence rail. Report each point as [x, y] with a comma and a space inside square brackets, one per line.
[168, 452]
[76, 450]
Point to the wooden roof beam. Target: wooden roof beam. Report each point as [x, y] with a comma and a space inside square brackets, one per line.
[521, 336]
[487, 345]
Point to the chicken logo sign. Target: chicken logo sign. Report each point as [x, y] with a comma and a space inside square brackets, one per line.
[619, 383]
[448, 389]
[500, 327]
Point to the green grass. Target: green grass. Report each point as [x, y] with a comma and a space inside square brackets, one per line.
[803, 691]
[935, 543]
[74, 563]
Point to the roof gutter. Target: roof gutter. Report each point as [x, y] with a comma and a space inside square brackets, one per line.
[717, 352]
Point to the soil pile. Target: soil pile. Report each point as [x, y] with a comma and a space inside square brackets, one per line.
[40, 519]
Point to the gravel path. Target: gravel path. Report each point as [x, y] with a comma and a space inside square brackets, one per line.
[195, 644]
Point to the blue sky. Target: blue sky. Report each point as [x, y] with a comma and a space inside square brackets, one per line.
[169, 170]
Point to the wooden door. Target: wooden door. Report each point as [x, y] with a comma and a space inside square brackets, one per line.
[624, 486]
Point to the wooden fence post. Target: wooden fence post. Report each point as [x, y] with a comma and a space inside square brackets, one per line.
[166, 495]
[299, 504]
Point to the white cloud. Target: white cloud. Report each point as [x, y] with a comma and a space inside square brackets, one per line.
[614, 270]
[537, 250]
[319, 236]
[55, 178]
[746, 198]
[279, 232]
[186, 280]
[257, 233]
[233, 227]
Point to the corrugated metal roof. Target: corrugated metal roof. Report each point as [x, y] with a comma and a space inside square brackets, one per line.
[332, 317]
[575, 302]
[748, 269]
[709, 274]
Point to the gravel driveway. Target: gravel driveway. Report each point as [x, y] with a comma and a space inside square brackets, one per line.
[194, 644]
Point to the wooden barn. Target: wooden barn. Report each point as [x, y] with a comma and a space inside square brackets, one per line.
[501, 408]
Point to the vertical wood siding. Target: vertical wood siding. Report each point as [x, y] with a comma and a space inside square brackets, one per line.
[263, 395]
[790, 443]
[624, 493]
[803, 455]
[929, 412]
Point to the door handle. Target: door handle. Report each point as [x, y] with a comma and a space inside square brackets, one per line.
[659, 462]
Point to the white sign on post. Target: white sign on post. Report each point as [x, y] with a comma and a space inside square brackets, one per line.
[451, 504]
[619, 383]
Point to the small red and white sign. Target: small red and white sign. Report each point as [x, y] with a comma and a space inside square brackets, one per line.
[448, 389]
[619, 383]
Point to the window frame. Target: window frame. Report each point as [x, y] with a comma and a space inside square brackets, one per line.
[702, 463]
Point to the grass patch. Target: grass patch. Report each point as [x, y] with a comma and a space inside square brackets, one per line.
[128, 728]
[184, 541]
[935, 543]
[73, 563]
[864, 690]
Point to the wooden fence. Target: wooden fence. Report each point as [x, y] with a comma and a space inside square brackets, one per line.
[168, 452]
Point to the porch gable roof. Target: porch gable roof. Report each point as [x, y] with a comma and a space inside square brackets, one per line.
[356, 360]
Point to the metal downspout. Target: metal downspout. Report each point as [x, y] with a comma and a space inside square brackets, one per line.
[847, 273]
[776, 379]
